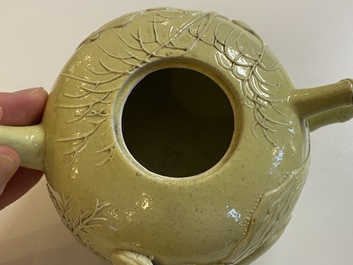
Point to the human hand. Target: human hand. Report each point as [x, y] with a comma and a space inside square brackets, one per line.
[20, 108]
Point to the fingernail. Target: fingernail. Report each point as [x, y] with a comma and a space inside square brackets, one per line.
[30, 91]
[8, 167]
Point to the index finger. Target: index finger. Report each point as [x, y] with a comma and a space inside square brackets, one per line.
[23, 107]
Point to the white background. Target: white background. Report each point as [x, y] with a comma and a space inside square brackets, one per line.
[312, 38]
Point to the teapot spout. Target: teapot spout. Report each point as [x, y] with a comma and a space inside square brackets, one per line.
[324, 105]
[28, 141]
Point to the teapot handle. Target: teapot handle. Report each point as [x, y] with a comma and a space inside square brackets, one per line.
[324, 105]
[335, 116]
[28, 141]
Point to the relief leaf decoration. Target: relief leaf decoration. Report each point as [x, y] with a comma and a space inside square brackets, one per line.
[248, 60]
[142, 38]
[80, 222]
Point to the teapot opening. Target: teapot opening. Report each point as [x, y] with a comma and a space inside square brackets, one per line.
[177, 122]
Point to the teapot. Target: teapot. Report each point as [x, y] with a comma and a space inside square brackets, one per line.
[176, 137]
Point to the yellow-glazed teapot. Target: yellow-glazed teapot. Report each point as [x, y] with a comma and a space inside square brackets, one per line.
[176, 137]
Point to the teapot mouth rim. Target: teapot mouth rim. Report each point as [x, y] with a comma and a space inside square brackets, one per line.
[169, 63]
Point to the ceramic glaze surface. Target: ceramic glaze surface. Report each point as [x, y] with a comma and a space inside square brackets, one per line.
[101, 188]
[240, 203]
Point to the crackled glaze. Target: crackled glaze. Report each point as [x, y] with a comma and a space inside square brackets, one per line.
[228, 214]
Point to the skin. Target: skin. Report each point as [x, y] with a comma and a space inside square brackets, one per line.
[20, 108]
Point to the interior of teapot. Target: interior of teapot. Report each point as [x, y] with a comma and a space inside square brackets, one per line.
[186, 122]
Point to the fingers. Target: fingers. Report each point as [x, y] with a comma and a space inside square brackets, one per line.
[9, 163]
[20, 108]
[18, 185]
[24, 107]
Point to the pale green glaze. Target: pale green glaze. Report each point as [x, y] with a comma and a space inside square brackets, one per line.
[28, 141]
[228, 213]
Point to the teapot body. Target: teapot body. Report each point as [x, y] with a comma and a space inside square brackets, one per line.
[226, 213]
[176, 137]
